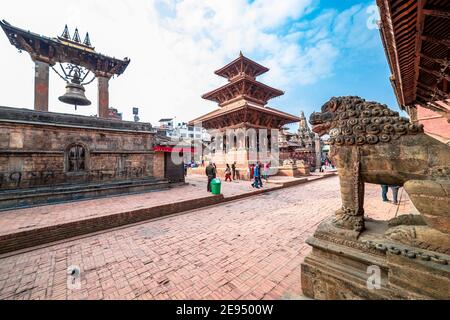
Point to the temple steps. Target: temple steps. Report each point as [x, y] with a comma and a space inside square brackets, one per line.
[16, 199]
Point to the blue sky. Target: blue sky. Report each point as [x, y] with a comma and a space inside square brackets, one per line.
[360, 67]
[315, 50]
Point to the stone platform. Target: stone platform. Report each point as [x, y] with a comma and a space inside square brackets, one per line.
[20, 198]
[340, 268]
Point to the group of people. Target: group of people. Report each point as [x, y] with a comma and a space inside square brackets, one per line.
[211, 173]
[326, 163]
[260, 171]
[256, 172]
[230, 170]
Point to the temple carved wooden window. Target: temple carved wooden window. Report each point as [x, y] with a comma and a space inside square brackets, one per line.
[76, 158]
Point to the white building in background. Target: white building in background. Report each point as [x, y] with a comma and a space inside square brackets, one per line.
[166, 125]
[183, 133]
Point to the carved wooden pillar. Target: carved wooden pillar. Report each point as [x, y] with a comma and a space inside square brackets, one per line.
[41, 83]
[103, 96]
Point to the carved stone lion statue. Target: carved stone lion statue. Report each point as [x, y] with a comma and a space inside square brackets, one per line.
[371, 143]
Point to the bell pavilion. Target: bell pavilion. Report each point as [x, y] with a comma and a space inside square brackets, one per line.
[48, 157]
[243, 117]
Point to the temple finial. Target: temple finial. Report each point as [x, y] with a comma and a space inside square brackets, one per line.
[240, 53]
[66, 34]
[87, 40]
[76, 36]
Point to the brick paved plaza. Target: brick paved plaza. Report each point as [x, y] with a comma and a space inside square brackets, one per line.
[246, 249]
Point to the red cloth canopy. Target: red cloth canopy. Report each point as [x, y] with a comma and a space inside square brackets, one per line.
[173, 149]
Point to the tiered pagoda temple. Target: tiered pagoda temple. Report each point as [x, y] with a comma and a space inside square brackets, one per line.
[304, 145]
[243, 114]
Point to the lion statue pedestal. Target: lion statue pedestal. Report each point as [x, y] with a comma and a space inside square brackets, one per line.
[357, 258]
[292, 168]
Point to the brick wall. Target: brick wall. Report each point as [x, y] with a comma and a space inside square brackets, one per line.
[35, 154]
[158, 165]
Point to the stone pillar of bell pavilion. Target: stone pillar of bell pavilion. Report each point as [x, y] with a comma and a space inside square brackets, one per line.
[103, 96]
[41, 85]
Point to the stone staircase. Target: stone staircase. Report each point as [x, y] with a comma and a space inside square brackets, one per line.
[12, 199]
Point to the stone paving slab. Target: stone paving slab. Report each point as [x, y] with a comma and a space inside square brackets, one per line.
[24, 228]
[246, 249]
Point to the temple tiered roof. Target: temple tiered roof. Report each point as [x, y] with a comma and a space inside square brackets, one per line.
[243, 100]
[243, 86]
[241, 65]
[241, 74]
[245, 115]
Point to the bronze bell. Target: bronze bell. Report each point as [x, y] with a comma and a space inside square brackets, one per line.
[75, 94]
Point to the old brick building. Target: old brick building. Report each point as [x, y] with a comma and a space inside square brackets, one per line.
[49, 157]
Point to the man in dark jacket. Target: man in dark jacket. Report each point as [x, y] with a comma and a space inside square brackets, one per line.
[211, 174]
[233, 170]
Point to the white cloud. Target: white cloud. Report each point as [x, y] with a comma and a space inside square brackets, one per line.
[174, 48]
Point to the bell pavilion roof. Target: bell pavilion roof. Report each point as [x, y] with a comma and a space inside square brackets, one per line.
[64, 50]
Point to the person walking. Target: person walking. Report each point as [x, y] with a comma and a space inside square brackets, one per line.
[266, 171]
[233, 169]
[384, 191]
[257, 182]
[228, 173]
[211, 174]
[395, 194]
[259, 164]
[256, 173]
[251, 170]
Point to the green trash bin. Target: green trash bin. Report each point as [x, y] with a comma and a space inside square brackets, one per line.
[215, 186]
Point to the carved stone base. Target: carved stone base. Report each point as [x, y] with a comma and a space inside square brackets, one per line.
[293, 171]
[350, 220]
[339, 266]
